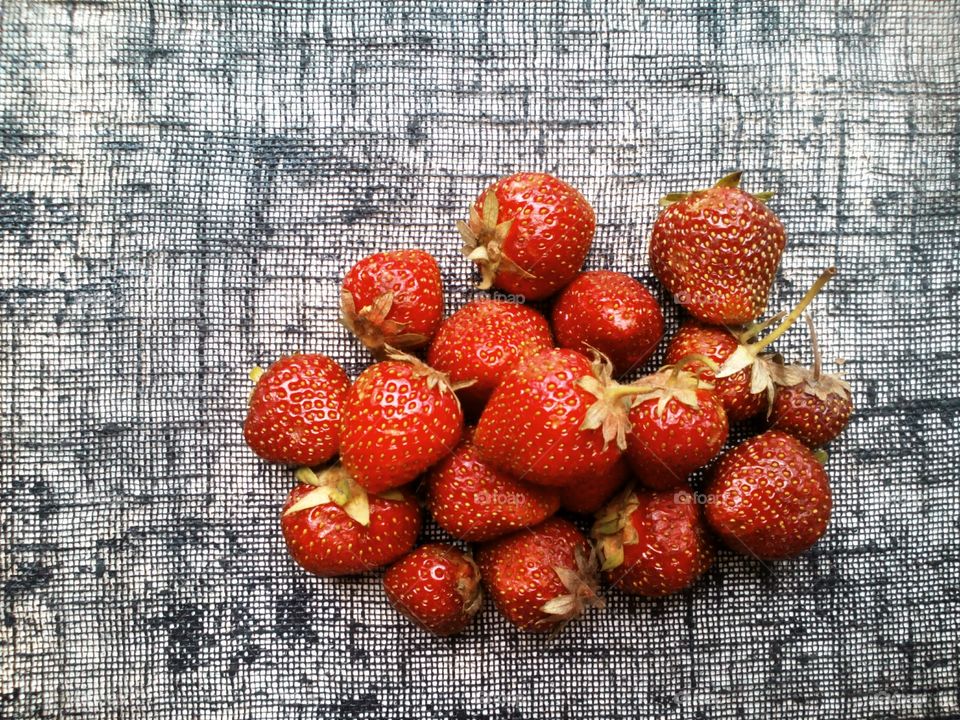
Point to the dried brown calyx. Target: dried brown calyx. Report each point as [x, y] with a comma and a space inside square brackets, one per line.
[582, 586]
[609, 412]
[813, 380]
[483, 240]
[674, 382]
[435, 378]
[468, 588]
[373, 326]
[335, 485]
[728, 181]
[613, 529]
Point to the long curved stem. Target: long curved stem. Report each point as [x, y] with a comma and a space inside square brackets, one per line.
[824, 278]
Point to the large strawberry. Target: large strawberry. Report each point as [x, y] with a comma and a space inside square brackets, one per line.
[393, 298]
[482, 341]
[542, 577]
[529, 233]
[612, 312]
[717, 251]
[555, 418]
[818, 407]
[588, 494]
[333, 527]
[769, 497]
[437, 587]
[747, 378]
[473, 501]
[653, 543]
[399, 418]
[678, 425]
[294, 410]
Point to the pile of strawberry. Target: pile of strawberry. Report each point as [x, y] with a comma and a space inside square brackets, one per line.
[548, 427]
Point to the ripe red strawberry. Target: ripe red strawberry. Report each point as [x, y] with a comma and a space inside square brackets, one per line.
[333, 527]
[611, 312]
[679, 425]
[769, 497]
[747, 379]
[398, 419]
[473, 501]
[393, 298]
[653, 543]
[589, 494]
[294, 410]
[552, 419]
[540, 578]
[482, 341]
[816, 409]
[529, 233]
[717, 251]
[437, 587]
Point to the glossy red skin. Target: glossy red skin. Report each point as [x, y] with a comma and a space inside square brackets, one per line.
[769, 498]
[473, 501]
[664, 449]
[589, 494]
[393, 427]
[518, 570]
[324, 540]
[414, 278]
[813, 421]
[531, 427]
[611, 312]
[436, 587]
[673, 548]
[482, 341]
[551, 231]
[717, 251]
[717, 344]
[294, 411]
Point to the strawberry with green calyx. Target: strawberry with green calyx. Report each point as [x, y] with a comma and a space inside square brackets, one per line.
[817, 407]
[399, 418]
[747, 378]
[717, 251]
[332, 526]
[678, 425]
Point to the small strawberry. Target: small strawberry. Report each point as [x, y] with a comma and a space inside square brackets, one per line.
[437, 587]
[482, 341]
[473, 501]
[393, 298]
[541, 578]
[399, 418]
[612, 312]
[816, 409]
[294, 410]
[333, 527]
[529, 233]
[653, 543]
[747, 379]
[717, 251]
[679, 425]
[769, 497]
[589, 494]
[552, 419]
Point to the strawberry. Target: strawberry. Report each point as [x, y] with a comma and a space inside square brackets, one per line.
[294, 410]
[393, 298]
[473, 501]
[717, 251]
[679, 425]
[541, 578]
[816, 409]
[437, 587]
[529, 233]
[482, 341]
[769, 497]
[611, 312]
[589, 494]
[399, 418]
[653, 543]
[333, 527]
[552, 419]
[747, 379]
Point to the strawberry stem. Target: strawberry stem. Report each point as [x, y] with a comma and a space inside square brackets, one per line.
[689, 359]
[817, 362]
[751, 331]
[824, 278]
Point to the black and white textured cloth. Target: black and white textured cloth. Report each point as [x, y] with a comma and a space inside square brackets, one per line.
[182, 186]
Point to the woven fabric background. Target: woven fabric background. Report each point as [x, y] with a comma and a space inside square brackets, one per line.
[185, 183]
